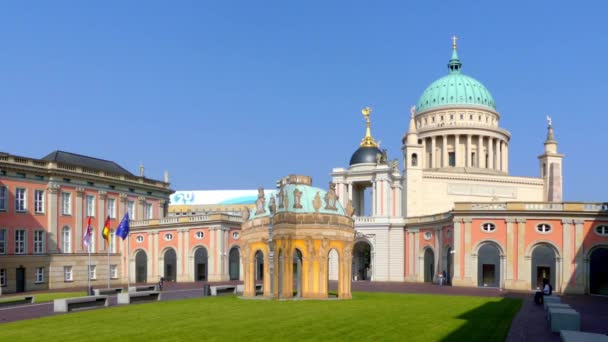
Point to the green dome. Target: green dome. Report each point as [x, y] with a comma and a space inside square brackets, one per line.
[455, 89]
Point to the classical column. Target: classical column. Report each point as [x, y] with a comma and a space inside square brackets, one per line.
[479, 151]
[457, 250]
[410, 256]
[458, 158]
[444, 154]
[567, 253]
[52, 210]
[506, 167]
[469, 162]
[523, 272]
[101, 220]
[491, 153]
[433, 152]
[417, 270]
[350, 191]
[78, 245]
[580, 253]
[439, 248]
[422, 160]
[467, 250]
[510, 249]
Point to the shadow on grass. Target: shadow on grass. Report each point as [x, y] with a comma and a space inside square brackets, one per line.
[488, 322]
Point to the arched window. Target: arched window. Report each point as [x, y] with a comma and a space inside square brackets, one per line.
[414, 159]
[602, 230]
[488, 227]
[543, 228]
[66, 240]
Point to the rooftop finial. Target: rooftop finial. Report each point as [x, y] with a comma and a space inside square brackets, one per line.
[454, 65]
[454, 38]
[368, 140]
[550, 135]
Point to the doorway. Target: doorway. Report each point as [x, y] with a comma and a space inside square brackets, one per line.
[20, 277]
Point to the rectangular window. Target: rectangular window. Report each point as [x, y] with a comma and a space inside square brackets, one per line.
[112, 207]
[90, 205]
[92, 272]
[2, 241]
[452, 158]
[66, 240]
[3, 198]
[39, 275]
[112, 241]
[67, 273]
[114, 271]
[473, 160]
[66, 203]
[147, 211]
[20, 241]
[20, 199]
[2, 276]
[38, 241]
[39, 201]
[131, 209]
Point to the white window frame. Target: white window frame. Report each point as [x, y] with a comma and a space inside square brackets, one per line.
[112, 208]
[139, 239]
[544, 228]
[604, 228]
[3, 277]
[147, 211]
[39, 201]
[90, 204]
[3, 241]
[66, 203]
[66, 240]
[131, 209]
[39, 241]
[3, 198]
[20, 200]
[39, 275]
[114, 271]
[168, 236]
[67, 273]
[92, 272]
[20, 241]
[485, 227]
[200, 235]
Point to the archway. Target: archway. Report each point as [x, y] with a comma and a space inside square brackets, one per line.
[488, 266]
[333, 265]
[233, 263]
[598, 271]
[200, 264]
[449, 269]
[170, 265]
[141, 267]
[362, 261]
[333, 285]
[543, 266]
[429, 265]
[259, 265]
[297, 272]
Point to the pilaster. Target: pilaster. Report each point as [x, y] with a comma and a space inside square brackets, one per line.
[101, 205]
[523, 273]
[52, 210]
[78, 245]
[579, 270]
[467, 250]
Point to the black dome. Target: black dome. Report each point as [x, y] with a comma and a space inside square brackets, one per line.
[365, 155]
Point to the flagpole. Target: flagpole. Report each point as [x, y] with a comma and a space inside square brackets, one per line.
[89, 273]
[128, 265]
[109, 247]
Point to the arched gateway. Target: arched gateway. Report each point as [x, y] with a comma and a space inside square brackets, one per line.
[298, 226]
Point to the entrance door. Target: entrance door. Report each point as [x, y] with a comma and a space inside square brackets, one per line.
[20, 279]
[542, 272]
[488, 275]
[201, 271]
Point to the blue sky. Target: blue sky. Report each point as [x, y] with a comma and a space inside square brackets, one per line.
[234, 95]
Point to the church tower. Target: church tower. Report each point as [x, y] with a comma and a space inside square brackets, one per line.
[413, 159]
[551, 168]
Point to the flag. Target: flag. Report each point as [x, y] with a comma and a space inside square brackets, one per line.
[106, 230]
[123, 227]
[88, 235]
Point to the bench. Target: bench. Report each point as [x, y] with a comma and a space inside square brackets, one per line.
[109, 292]
[259, 289]
[11, 301]
[143, 288]
[139, 296]
[550, 299]
[222, 289]
[557, 306]
[576, 336]
[77, 303]
[564, 319]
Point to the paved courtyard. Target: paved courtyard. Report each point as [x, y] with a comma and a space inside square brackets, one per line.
[528, 325]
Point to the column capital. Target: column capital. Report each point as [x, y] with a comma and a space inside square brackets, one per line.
[567, 221]
[141, 199]
[520, 220]
[52, 188]
[123, 197]
[578, 221]
[102, 194]
[79, 191]
[467, 220]
[510, 220]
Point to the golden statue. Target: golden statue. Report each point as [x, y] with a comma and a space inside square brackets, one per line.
[368, 140]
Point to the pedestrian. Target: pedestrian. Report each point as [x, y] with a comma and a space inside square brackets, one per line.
[539, 297]
[440, 279]
[445, 277]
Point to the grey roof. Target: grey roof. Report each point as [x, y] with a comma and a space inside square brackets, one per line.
[88, 162]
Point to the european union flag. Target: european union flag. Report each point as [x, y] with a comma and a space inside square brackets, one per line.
[123, 227]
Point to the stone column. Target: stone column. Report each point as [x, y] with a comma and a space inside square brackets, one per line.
[567, 253]
[458, 158]
[416, 253]
[422, 160]
[457, 250]
[510, 250]
[410, 256]
[433, 152]
[523, 272]
[579, 268]
[101, 220]
[506, 167]
[467, 251]
[439, 248]
[490, 153]
[52, 210]
[122, 206]
[502, 156]
[479, 151]
[78, 245]
[444, 152]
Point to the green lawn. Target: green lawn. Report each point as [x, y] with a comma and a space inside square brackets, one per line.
[45, 297]
[368, 316]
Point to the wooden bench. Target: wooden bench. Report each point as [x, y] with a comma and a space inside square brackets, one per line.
[78, 303]
[564, 319]
[143, 288]
[579, 336]
[139, 296]
[12, 301]
[109, 292]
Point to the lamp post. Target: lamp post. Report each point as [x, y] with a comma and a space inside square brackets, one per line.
[272, 209]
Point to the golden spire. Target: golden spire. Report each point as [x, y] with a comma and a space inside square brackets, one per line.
[368, 140]
[454, 38]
